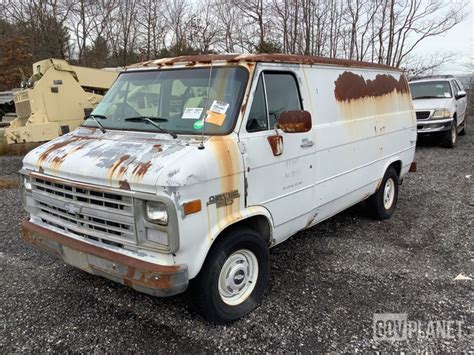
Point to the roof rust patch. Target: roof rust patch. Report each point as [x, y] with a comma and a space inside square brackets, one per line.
[192, 60]
[350, 86]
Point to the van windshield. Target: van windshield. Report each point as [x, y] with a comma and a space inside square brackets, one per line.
[182, 101]
[430, 90]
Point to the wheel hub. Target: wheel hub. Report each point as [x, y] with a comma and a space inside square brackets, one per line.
[389, 193]
[238, 277]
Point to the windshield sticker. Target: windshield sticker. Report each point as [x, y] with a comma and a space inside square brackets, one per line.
[198, 124]
[446, 94]
[215, 118]
[216, 114]
[219, 107]
[192, 113]
[439, 86]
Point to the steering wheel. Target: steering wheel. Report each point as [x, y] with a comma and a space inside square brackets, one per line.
[122, 110]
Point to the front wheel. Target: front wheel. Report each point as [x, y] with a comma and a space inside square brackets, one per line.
[233, 278]
[451, 137]
[384, 201]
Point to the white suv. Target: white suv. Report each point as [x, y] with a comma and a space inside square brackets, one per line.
[440, 105]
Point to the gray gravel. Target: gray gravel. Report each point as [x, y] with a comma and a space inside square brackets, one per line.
[325, 286]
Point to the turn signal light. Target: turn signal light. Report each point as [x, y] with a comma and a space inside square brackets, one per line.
[192, 207]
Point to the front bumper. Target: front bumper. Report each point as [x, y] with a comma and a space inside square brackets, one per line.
[143, 276]
[434, 126]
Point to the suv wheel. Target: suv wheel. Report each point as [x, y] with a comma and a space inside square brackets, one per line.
[451, 137]
[233, 278]
[384, 201]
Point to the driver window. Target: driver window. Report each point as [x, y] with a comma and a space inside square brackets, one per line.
[281, 94]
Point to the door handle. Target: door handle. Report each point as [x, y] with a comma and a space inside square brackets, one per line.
[306, 143]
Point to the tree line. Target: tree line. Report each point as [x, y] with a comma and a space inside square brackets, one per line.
[111, 33]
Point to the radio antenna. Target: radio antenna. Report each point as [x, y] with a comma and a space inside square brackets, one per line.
[201, 146]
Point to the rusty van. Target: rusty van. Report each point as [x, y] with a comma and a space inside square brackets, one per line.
[191, 168]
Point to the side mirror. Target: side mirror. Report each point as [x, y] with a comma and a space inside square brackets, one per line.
[460, 94]
[294, 122]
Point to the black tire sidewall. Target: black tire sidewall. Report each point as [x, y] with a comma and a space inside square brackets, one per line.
[379, 206]
[208, 300]
[449, 140]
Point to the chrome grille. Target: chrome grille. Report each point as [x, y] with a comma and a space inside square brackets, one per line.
[423, 115]
[97, 215]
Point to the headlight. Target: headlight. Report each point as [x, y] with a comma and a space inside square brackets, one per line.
[156, 212]
[439, 114]
[27, 183]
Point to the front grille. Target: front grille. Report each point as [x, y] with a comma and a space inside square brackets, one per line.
[104, 216]
[422, 115]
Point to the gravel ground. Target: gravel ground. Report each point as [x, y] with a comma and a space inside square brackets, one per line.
[326, 283]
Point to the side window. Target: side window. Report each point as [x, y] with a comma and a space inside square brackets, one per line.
[257, 120]
[455, 87]
[458, 86]
[282, 95]
[277, 91]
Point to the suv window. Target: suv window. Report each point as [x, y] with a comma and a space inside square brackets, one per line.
[275, 94]
[457, 87]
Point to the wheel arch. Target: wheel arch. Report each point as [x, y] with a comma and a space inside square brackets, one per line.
[257, 218]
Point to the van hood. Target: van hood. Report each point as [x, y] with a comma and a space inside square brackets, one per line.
[126, 160]
[431, 104]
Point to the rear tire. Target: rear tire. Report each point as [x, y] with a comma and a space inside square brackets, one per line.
[384, 201]
[451, 137]
[233, 278]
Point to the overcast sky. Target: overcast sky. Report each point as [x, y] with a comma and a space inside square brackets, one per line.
[459, 40]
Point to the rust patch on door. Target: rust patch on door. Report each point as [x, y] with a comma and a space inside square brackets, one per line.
[350, 86]
[276, 143]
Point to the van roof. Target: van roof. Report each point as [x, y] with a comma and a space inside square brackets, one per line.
[192, 60]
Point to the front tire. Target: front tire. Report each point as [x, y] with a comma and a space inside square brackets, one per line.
[384, 201]
[233, 278]
[451, 137]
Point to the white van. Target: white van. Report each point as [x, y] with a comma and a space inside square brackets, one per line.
[191, 168]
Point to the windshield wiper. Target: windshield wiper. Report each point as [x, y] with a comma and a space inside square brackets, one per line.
[95, 117]
[151, 120]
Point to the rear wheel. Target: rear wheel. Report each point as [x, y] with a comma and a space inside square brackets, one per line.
[451, 137]
[384, 201]
[233, 278]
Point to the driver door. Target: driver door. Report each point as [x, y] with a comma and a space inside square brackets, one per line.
[283, 184]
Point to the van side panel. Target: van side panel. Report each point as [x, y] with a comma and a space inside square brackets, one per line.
[363, 121]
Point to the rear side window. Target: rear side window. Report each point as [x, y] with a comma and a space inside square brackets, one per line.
[276, 93]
